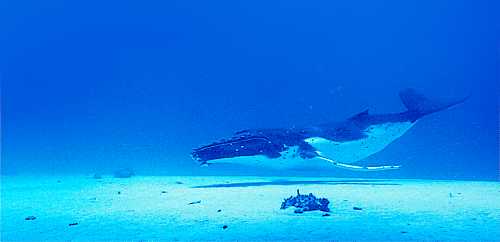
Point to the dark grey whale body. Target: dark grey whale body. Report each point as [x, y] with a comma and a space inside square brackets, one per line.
[338, 143]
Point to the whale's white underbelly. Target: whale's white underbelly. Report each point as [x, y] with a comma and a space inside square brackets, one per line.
[377, 138]
[289, 159]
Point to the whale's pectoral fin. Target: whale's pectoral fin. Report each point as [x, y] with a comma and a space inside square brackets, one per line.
[359, 168]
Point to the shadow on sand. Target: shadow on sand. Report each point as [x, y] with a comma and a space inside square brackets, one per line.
[307, 182]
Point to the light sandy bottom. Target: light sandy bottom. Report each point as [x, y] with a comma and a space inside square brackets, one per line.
[250, 207]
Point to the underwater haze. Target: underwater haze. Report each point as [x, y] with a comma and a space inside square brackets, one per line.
[114, 114]
[98, 86]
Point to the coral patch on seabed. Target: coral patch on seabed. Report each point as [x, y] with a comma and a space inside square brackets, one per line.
[305, 203]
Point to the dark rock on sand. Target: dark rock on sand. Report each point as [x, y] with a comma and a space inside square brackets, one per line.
[299, 210]
[124, 173]
[305, 203]
[224, 227]
[357, 208]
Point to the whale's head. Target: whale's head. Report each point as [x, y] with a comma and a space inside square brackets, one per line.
[244, 145]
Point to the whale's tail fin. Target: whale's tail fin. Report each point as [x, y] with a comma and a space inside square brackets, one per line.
[420, 105]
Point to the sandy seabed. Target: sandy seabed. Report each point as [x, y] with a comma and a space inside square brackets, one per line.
[158, 208]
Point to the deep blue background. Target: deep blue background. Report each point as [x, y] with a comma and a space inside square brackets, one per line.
[99, 85]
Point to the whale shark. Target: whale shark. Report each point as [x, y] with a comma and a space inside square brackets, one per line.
[339, 144]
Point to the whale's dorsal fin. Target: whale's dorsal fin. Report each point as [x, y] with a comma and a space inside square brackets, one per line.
[360, 115]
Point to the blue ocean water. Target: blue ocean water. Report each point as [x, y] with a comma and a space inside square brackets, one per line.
[96, 86]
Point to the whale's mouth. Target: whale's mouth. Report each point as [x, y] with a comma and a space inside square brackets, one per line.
[234, 147]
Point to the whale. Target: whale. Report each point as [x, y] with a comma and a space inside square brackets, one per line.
[339, 144]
